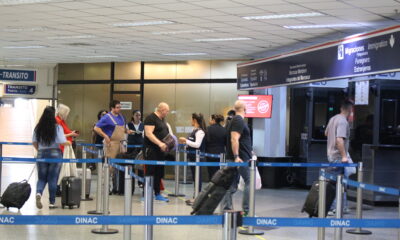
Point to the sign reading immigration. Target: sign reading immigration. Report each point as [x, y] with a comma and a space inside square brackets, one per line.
[257, 106]
[19, 89]
[17, 75]
[364, 54]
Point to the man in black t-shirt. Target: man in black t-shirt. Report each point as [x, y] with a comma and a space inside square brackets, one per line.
[155, 129]
[239, 149]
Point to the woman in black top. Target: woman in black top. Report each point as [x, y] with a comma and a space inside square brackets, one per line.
[215, 141]
[136, 138]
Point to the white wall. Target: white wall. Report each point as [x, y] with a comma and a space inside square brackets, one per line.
[269, 135]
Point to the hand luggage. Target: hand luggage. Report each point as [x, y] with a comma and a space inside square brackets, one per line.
[311, 203]
[71, 188]
[119, 177]
[209, 198]
[16, 194]
[88, 179]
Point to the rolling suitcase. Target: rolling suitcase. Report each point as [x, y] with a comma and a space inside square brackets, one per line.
[213, 193]
[16, 194]
[311, 204]
[119, 176]
[71, 188]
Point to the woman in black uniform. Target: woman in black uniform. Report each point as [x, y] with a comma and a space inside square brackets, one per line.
[136, 138]
[195, 141]
[215, 141]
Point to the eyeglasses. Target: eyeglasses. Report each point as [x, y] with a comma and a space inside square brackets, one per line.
[118, 107]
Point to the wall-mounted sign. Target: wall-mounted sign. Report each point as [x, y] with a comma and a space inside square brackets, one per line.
[257, 106]
[365, 54]
[17, 75]
[362, 93]
[19, 89]
[126, 105]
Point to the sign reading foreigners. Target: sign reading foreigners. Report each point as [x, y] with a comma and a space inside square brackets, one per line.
[365, 54]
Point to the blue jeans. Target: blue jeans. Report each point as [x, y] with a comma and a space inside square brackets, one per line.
[227, 204]
[48, 173]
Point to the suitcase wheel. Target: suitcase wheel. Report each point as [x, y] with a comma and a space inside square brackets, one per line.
[78, 205]
[70, 207]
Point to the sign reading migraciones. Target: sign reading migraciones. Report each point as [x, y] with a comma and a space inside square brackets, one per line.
[19, 89]
[17, 75]
[365, 54]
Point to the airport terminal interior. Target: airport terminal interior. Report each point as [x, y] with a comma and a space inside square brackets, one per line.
[291, 63]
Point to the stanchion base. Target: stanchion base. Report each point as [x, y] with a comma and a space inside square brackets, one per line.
[87, 199]
[359, 231]
[94, 212]
[101, 231]
[254, 232]
[176, 195]
[185, 182]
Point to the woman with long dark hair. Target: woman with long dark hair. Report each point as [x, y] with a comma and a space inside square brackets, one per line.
[195, 141]
[47, 137]
[215, 141]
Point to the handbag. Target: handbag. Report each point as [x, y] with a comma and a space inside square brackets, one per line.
[169, 141]
[68, 169]
[258, 182]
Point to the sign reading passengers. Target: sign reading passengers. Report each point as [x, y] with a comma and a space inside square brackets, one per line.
[17, 75]
[364, 54]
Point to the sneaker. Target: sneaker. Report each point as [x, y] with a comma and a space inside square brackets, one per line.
[332, 212]
[52, 206]
[39, 201]
[160, 197]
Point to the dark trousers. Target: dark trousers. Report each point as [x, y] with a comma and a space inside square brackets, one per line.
[156, 171]
[212, 170]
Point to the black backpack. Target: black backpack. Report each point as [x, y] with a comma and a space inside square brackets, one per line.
[16, 194]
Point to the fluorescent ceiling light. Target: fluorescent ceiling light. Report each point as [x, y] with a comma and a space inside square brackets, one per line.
[279, 16]
[19, 2]
[72, 37]
[344, 25]
[33, 29]
[100, 56]
[24, 47]
[183, 32]
[222, 39]
[12, 65]
[135, 24]
[22, 58]
[183, 54]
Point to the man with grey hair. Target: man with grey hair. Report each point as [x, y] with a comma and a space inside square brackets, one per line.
[155, 130]
[239, 149]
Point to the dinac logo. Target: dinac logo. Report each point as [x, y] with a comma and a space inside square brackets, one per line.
[263, 106]
[340, 55]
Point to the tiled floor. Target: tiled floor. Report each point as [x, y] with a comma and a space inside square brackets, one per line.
[271, 203]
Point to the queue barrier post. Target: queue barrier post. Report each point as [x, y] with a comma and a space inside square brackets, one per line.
[127, 201]
[177, 175]
[106, 190]
[232, 219]
[185, 168]
[148, 206]
[252, 199]
[359, 208]
[84, 180]
[197, 176]
[322, 203]
[99, 168]
[338, 234]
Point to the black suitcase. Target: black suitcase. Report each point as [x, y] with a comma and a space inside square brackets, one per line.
[211, 196]
[118, 179]
[71, 189]
[311, 204]
[16, 194]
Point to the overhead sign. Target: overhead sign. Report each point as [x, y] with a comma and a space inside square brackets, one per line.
[257, 106]
[17, 75]
[19, 89]
[365, 54]
[126, 105]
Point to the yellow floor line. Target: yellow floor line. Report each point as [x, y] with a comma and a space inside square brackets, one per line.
[241, 228]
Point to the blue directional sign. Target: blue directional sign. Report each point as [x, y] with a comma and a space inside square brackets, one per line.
[17, 75]
[366, 54]
[19, 89]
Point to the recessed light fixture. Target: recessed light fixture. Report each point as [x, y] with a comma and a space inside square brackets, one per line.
[183, 32]
[135, 24]
[279, 16]
[19, 2]
[342, 25]
[72, 37]
[183, 54]
[222, 39]
[100, 56]
[24, 47]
